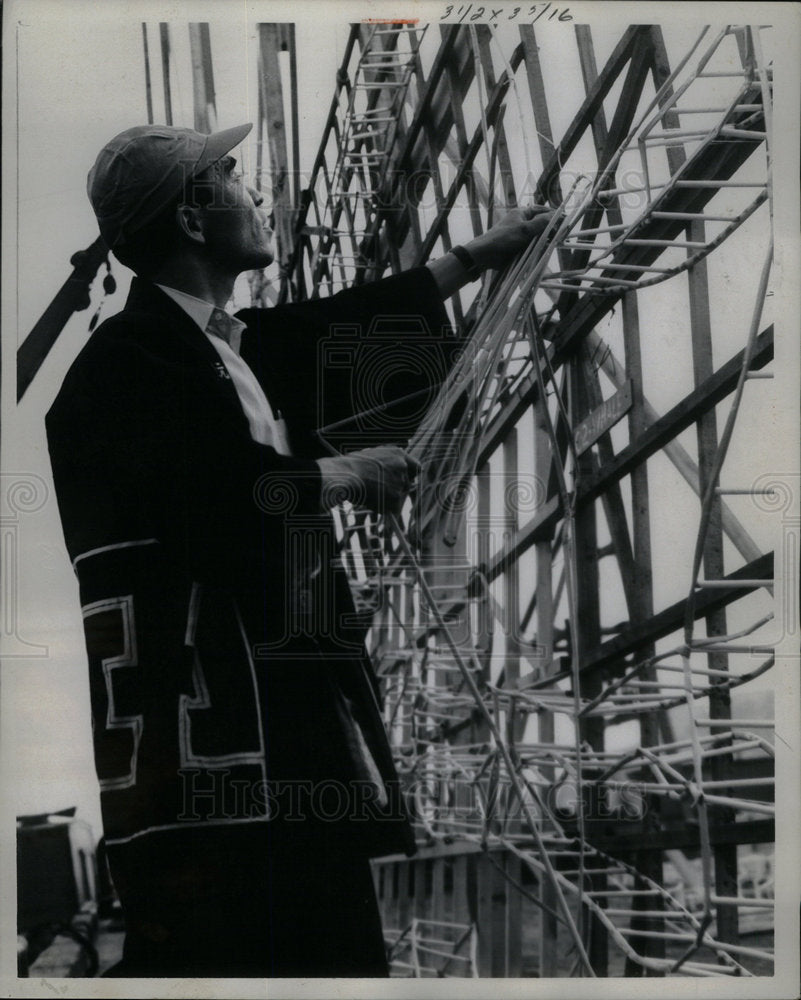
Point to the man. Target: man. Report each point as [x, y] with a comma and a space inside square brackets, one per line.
[245, 775]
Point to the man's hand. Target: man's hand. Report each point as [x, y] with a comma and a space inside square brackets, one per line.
[495, 248]
[517, 230]
[376, 478]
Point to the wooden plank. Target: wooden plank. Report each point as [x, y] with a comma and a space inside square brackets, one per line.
[587, 111]
[203, 98]
[456, 95]
[514, 913]
[614, 508]
[286, 35]
[493, 105]
[683, 836]
[725, 856]
[664, 622]
[421, 896]
[272, 99]
[602, 419]
[73, 296]
[536, 87]
[511, 578]
[148, 84]
[490, 918]
[405, 905]
[485, 622]
[683, 415]
[545, 611]
[164, 37]
[461, 875]
[500, 144]
[585, 630]
[633, 554]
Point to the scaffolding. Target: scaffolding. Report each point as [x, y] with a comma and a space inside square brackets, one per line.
[623, 861]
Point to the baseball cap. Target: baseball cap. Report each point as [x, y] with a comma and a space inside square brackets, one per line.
[141, 170]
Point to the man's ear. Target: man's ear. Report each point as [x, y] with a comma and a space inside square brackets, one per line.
[188, 220]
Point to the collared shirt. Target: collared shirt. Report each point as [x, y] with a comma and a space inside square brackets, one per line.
[224, 332]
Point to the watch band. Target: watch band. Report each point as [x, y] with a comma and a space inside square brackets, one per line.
[468, 262]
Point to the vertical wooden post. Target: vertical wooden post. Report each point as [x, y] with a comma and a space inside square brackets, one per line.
[545, 630]
[719, 699]
[513, 933]
[204, 101]
[164, 33]
[484, 622]
[511, 583]
[272, 102]
[404, 906]
[491, 902]
[148, 85]
[648, 862]
[504, 160]
[637, 560]
[587, 627]
[460, 908]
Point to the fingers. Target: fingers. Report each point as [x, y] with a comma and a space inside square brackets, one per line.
[385, 473]
[533, 210]
[412, 465]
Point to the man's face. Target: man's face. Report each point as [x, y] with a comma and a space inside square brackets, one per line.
[235, 226]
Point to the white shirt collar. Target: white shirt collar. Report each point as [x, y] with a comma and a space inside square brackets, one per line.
[201, 312]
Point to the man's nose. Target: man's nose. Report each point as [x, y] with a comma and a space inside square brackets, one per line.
[255, 195]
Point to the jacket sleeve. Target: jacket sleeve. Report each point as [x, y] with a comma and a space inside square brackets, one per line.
[142, 446]
[370, 358]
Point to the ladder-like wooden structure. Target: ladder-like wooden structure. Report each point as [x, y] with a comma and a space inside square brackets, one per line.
[546, 846]
[568, 837]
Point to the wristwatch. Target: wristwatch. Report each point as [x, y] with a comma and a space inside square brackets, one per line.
[468, 262]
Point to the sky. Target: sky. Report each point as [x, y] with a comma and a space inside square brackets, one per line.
[76, 78]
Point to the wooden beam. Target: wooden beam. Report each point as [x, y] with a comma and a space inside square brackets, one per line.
[611, 654]
[493, 105]
[586, 113]
[73, 296]
[683, 415]
[272, 102]
[204, 101]
[683, 836]
[164, 33]
[650, 441]
[725, 856]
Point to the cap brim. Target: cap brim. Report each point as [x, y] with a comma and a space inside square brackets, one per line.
[220, 143]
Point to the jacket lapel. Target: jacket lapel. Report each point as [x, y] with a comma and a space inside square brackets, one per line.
[145, 297]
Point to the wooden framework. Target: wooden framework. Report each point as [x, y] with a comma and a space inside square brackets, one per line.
[475, 664]
[505, 664]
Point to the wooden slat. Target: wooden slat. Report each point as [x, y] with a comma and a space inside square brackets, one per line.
[683, 415]
[671, 618]
[511, 578]
[585, 628]
[719, 699]
[589, 108]
[514, 912]
[203, 98]
[545, 610]
[272, 100]
[73, 296]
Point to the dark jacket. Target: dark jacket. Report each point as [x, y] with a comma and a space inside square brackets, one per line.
[226, 664]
